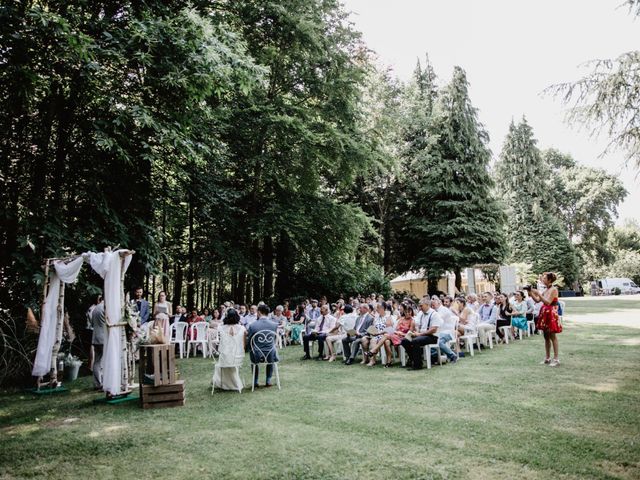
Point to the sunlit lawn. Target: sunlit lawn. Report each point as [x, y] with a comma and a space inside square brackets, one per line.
[497, 415]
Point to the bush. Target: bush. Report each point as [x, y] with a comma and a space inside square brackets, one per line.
[17, 349]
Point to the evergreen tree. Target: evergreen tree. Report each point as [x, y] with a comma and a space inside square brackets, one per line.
[535, 235]
[453, 221]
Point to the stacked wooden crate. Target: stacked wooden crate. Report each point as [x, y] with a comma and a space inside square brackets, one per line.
[166, 390]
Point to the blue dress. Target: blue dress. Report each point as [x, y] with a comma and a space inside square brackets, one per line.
[519, 321]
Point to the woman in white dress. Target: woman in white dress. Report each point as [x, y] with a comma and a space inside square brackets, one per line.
[226, 374]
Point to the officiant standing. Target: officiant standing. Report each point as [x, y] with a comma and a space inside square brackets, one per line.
[142, 305]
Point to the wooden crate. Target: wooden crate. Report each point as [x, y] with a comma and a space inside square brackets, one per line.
[162, 396]
[163, 359]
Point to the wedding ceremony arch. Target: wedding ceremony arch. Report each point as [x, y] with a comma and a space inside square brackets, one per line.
[111, 265]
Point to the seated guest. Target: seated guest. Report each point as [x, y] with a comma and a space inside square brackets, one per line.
[345, 323]
[472, 302]
[428, 321]
[312, 314]
[279, 319]
[488, 316]
[324, 324]
[215, 320]
[504, 313]
[264, 349]
[206, 315]
[179, 316]
[191, 319]
[351, 343]
[287, 312]
[519, 313]
[230, 353]
[250, 317]
[382, 323]
[466, 316]
[298, 322]
[242, 311]
[446, 330]
[403, 326]
[447, 301]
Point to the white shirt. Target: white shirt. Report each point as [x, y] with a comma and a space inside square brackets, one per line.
[448, 321]
[429, 320]
[329, 324]
[348, 321]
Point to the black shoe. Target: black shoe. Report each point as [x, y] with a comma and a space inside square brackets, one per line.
[306, 357]
[349, 362]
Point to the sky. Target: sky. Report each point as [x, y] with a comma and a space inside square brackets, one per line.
[511, 51]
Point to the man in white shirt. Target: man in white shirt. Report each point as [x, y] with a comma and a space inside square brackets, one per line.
[324, 324]
[339, 332]
[446, 331]
[250, 317]
[488, 316]
[429, 322]
[472, 302]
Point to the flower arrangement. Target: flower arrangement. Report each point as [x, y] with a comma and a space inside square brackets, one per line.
[71, 360]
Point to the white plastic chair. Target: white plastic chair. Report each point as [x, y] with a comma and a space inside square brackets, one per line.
[178, 335]
[213, 340]
[471, 335]
[269, 337]
[531, 327]
[427, 353]
[506, 332]
[198, 331]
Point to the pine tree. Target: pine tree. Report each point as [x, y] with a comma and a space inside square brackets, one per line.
[453, 222]
[534, 234]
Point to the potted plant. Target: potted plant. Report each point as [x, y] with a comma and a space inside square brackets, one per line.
[71, 367]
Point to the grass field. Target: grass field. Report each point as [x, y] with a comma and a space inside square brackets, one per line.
[497, 415]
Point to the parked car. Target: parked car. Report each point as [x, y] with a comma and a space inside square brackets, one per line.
[608, 286]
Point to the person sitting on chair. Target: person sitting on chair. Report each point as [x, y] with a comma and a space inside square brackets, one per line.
[324, 324]
[264, 349]
[231, 353]
[346, 322]
[351, 343]
[427, 327]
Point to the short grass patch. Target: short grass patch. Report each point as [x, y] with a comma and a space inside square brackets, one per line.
[499, 415]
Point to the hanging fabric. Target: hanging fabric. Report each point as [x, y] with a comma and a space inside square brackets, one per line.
[67, 273]
[109, 266]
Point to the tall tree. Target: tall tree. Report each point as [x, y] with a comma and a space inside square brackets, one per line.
[534, 234]
[586, 201]
[608, 99]
[453, 222]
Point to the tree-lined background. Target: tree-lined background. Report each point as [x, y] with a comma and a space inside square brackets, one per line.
[256, 150]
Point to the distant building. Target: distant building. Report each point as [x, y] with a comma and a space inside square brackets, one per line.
[415, 283]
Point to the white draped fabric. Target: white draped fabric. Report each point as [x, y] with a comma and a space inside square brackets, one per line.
[108, 265]
[48, 319]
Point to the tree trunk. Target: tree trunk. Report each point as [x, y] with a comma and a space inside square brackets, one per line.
[432, 286]
[386, 247]
[190, 271]
[255, 252]
[284, 267]
[458, 273]
[267, 261]
[177, 286]
[242, 281]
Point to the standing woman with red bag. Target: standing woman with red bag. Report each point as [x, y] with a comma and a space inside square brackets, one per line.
[548, 319]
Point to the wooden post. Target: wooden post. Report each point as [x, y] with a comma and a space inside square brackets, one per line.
[45, 292]
[53, 381]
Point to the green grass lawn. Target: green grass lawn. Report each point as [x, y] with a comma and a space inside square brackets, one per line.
[497, 415]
